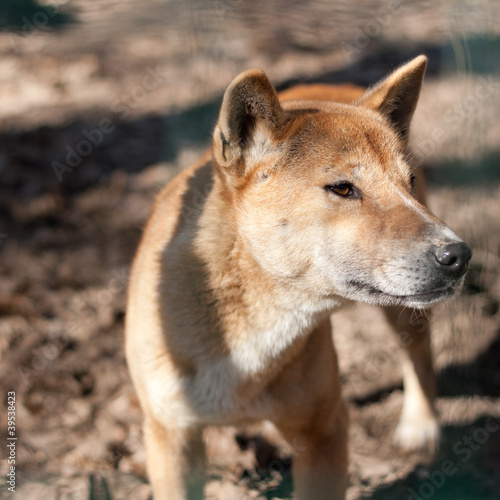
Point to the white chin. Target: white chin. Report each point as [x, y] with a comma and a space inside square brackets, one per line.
[372, 295]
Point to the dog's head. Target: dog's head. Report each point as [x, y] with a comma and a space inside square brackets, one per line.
[323, 196]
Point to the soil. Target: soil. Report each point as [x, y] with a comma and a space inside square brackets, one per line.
[102, 102]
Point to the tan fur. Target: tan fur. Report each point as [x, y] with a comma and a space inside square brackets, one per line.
[246, 255]
[346, 93]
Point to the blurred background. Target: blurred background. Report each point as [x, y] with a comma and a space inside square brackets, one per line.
[101, 103]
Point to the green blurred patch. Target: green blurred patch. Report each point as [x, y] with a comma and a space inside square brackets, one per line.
[483, 171]
[477, 54]
[28, 16]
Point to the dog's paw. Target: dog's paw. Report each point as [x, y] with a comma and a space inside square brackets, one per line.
[418, 435]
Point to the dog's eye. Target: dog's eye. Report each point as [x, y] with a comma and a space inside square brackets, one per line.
[344, 189]
[412, 181]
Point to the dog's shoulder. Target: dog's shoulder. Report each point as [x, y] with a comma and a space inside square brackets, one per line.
[177, 203]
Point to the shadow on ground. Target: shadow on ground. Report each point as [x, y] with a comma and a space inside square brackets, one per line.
[24, 17]
[479, 377]
[451, 477]
[71, 157]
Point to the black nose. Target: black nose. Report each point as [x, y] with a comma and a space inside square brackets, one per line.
[453, 258]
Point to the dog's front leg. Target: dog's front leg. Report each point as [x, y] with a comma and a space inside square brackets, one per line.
[175, 461]
[418, 426]
[321, 457]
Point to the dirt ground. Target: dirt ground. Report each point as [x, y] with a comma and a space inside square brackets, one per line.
[101, 103]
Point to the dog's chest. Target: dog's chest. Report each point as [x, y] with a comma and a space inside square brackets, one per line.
[262, 348]
[233, 386]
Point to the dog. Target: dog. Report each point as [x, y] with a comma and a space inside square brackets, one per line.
[304, 204]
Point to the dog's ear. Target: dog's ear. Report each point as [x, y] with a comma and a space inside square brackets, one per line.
[249, 115]
[396, 96]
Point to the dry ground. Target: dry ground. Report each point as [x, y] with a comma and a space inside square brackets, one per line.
[150, 76]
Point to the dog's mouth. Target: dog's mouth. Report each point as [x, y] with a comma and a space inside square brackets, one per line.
[421, 299]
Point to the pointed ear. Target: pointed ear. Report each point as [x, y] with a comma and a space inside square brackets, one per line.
[250, 112]
[396, 97]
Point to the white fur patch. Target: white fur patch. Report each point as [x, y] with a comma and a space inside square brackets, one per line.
[212, 396]
[260, 348]
[261, 147]
[214, 391]
[414, 205]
